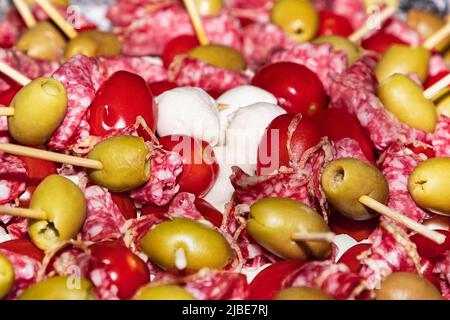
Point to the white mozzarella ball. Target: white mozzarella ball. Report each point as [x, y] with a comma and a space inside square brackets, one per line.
[239, 97]
[189, 111]
[245, 130]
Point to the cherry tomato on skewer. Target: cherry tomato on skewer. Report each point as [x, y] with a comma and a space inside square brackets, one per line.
[177, 46]
[358, 230]
[209, 212]
[333, 24]
[349, 258]
[429, 249]
[381, 41]
[160, 87]
[119, 101]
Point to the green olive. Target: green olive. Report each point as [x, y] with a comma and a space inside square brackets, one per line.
[404, 60]
[6, 276]
[302, 293]
[299, 18]
[273, 221]
[61, 3]
[220, 56]
[442, 102]
[426, 24]
[200, 246]
[65, 207]
[43, 41]
[39, 109]
[429, 185]
[342, 44]
[345, 180]
[407, 286]
[126, 164]
[163, 292]
[405, 99]
[209, 7]
[93, 43]
[59, 288]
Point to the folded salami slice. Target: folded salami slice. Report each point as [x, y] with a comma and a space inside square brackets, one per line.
[13, 178]
[397, 164]
[322, 59]
[103, 219]
[191, 72]
[335, 279]
[253, 10]
[26, 271]
[440, 139]
[218, 285]
[442, 271]
[354, 91]
[391, 251]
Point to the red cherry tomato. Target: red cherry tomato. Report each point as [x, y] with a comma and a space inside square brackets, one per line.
[209, 212]
[269, 281]
[381, 41]
[338, 124]
[38, 169]
[125, 205]
[432, 80]
[273, 152]
[358, 230]
[200, 166]
[7, 96]
[428, 249]
[297, 88]
[177, 46]
[349, 258]
[152, 209]
[334, 24]
[24, 247]
[160, 87]
[119, 101]
[127, 271]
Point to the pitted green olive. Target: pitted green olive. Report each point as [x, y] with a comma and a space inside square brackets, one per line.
[126, 164]
[342, 44]
[219, 56]
[163, 292]
[407, 286]
[93, 43]
[299, 18]
[6, 276]
[405, 99]
[59, 288]
[186, 244]
[273, 221]
[43, 41]
[403, 60]
[426, 24]
[209, 7]
[302, 293]
[344, 181]
[39, 109]
[65, 207]
[429, 185]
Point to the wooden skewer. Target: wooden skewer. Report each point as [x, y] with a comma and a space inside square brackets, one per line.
[196, 21]
[24, 213]
[25, 13]
[411, 224]
[437, 37]
[58, 18]
[432, 91]
[6, 111]
[385, 14]
[318, 236]
[14, 74]
[50, 156]
[180, 259]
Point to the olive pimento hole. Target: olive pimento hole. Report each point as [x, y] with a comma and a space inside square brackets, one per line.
[50, 232]
[298, 28]
[339, 176]
[421, 184]
[50, 88]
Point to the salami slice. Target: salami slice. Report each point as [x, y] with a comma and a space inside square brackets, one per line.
[13, 178]
[322, 59]
[335, 279]
[397, 164]
[440, 140]
[354, 91]
[400, 29]
[183, 206]
[26, 271]
[104, 219]
[348, 148]
[192, 72]
[162, 186]
[354, 11]
[442, 271]
[391, 251]
[218, 285]
[253, 10]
